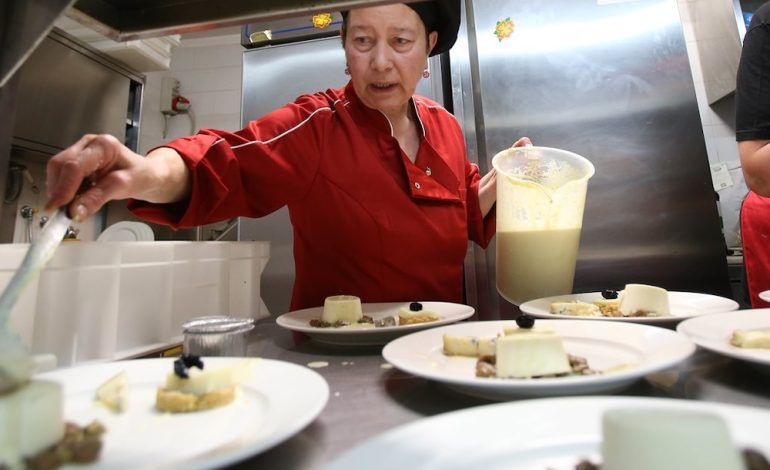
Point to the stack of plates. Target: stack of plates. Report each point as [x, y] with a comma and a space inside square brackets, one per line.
[127, 232]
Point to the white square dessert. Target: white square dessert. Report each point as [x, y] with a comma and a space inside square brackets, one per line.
[644, 300]
[31, 420]
[531, 353]
[662, 439]
[342, 308]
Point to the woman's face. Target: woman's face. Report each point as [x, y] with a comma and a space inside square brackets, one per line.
[386, 50]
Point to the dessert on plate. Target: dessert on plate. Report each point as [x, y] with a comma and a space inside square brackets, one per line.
[191, 387]
[520, 352]
[635, 300]
[525, 352]
[112, 393]
[641, 300]
[753, 339]
[344, 311]
[667, 439]
[415, 314]
[342, 308]
[469, 346]
[31, 420]
[33, 431]
[576, 308]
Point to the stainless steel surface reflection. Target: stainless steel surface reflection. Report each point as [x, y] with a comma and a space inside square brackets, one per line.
[609, 81]
[216, 336]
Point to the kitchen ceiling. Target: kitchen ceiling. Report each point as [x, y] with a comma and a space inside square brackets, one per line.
[124, 20]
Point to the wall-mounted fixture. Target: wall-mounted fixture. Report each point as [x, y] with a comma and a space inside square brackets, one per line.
[173, 103]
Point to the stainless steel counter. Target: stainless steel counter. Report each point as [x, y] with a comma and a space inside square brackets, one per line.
[367, 397]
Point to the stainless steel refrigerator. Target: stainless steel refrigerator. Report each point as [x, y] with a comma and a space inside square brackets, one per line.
[274, 75]
[609, 80]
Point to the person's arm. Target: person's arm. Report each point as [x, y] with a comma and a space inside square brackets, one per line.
[755, 160]
[98, 169]
[171, 177]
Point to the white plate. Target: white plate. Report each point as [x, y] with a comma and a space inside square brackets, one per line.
[765, 295]
[642, 348]
[279, 400]
[553, 433]
[683, 305]
[127, 231]
[713, 332]
[298, 320]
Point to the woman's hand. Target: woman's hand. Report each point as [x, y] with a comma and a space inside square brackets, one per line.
[522, 142]
[98, 169]
[488, 183]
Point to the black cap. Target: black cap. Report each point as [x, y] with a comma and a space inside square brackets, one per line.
[442, 16]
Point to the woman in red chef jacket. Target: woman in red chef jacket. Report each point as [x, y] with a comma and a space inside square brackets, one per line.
[381, 196]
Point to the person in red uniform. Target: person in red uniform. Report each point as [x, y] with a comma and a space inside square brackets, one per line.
[752, 130]
[381, 195]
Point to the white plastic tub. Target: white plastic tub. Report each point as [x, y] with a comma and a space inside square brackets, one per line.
[111, 300]
[22, 317]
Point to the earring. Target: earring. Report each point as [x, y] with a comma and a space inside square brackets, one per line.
[426, 73]
[347, 70]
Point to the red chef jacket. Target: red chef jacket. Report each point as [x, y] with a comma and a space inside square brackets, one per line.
[755, 233]
[366, 220]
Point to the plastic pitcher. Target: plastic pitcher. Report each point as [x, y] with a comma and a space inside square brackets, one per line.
[541, 195]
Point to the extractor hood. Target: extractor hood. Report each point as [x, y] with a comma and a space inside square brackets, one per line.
[124, 20]
[24, 23]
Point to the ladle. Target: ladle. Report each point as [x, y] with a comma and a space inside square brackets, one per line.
[15, 365]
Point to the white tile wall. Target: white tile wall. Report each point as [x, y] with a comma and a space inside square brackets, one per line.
[209, 72]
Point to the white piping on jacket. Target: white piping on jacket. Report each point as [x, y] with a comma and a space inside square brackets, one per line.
[286, 132]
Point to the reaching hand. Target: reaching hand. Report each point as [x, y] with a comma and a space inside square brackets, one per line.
[87, 175]
[98, 169]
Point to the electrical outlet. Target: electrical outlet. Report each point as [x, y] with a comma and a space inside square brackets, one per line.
[169, 90]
